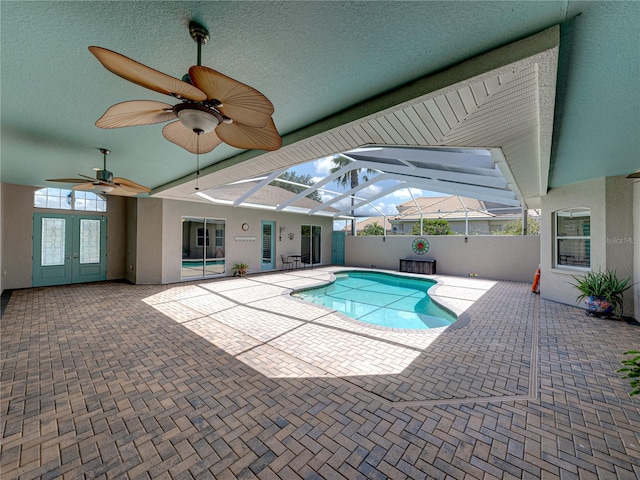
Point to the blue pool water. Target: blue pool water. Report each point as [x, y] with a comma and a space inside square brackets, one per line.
[381, 299]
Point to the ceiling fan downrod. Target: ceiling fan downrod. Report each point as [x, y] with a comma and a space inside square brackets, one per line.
[105, 152]
[200, 35]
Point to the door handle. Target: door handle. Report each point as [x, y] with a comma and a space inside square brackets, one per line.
[75, 255]
[68, 256]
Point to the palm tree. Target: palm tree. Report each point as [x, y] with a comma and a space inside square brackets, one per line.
[373, 229]
[350, 178]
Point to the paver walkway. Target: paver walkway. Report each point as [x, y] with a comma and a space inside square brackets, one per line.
[232, 378]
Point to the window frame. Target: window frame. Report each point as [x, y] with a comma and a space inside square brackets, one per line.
[71, 198]
[581, 212]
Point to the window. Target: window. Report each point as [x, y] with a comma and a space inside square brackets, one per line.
[64, 199]
[573, 238]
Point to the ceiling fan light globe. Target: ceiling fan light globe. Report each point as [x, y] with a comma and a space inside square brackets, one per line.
[194, 119]
[104, 188]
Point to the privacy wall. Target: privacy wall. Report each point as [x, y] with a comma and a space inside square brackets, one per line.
[498, 257]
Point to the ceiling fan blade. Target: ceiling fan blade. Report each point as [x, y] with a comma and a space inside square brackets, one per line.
[70, 180]
[136, 112]
[130, 185]
[123, 192]
[145, 76]
[84, 186]
[90, 179]
[251, 138]
[240, 102]
[177, 133]
[634, 175]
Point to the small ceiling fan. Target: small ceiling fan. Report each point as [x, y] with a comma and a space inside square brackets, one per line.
[105, 182]
[213, 108]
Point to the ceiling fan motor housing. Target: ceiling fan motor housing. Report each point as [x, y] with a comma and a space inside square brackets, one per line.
[104, 176]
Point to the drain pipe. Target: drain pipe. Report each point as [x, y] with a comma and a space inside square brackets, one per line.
[525, 219]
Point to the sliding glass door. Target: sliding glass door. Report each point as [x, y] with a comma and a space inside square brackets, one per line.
[310, 244]
[203, 247]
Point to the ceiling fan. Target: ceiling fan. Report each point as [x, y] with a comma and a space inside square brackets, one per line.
[105, 182]
[213, 108]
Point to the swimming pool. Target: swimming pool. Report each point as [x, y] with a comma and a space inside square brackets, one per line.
[381, 299]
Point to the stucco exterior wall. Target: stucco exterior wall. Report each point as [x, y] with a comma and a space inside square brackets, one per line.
[116, 237]
[2, 273]
[611, 201]
[17, 231]
[149, 241]
[636, 248]
[619, 231]
[555, 283]
[131, 262]
[237, 250]
[497, 257]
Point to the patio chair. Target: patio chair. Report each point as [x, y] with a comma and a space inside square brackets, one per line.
[287, 264]
[306, 260]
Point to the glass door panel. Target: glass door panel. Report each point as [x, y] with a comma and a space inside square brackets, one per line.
[215, 263]
[268, 262]
[89, 241]
[310, 236]
[53, 242]
[194, 240]
[315, 244]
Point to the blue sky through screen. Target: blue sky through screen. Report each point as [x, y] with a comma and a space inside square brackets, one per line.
[321, 168]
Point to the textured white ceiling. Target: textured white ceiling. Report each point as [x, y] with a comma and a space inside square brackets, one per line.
[312, 59]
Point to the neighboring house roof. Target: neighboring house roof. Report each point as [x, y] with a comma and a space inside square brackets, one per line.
[370, 221]
[448, 208]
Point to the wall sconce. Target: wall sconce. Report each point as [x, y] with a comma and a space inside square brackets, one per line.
[282, 229]
[291, 235]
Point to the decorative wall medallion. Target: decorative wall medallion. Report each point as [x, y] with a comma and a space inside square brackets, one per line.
[420, 246]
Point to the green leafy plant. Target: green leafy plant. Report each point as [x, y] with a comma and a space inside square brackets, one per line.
[432, 226]
[605, 285]
[632, 371]
[240, 269]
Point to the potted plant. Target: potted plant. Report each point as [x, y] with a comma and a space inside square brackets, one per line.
[240, 269]
[602, 292]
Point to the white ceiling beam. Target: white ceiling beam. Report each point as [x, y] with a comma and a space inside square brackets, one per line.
[453, 157]
[383, 193]
[349, 193]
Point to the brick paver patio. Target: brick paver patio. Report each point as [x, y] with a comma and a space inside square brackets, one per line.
[232, 378]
